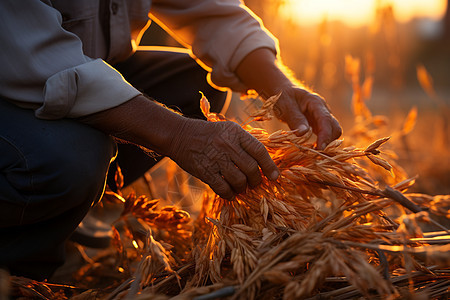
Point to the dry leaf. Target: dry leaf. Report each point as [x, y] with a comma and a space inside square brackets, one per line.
[366, 88]
[379, 161]
[204, 105]
[410, 121]
[376, 144]
[425, 80]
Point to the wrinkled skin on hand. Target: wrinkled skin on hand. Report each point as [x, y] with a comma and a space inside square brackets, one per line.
[222, 155]
[301, 110]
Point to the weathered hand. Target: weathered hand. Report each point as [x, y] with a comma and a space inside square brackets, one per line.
[222, 155]
[260, 70]
[301, 109]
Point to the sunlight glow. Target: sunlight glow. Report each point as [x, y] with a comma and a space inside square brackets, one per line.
[359, 12]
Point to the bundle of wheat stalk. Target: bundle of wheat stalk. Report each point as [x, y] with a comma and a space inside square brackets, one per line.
[318, 231]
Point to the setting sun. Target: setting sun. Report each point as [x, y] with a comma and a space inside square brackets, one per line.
[357, 12]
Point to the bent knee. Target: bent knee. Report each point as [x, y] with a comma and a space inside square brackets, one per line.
[77, 173]
[63, 177]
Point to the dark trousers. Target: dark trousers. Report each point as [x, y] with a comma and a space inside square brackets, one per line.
[52, 171]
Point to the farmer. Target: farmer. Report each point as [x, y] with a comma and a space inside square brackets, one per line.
[71, 79]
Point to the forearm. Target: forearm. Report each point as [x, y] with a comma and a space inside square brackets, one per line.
[261, 72]
[140, 121]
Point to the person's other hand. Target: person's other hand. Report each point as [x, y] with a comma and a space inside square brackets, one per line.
[223, 155]
[301, 110]
[261, 71]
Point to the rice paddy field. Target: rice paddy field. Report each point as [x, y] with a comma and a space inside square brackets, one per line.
[367, 217]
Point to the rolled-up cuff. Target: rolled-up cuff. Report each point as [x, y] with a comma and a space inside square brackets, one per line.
[85, 89]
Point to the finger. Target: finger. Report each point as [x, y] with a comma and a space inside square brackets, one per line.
[294, 118]
[220, 187]
[257, 150]
[235, 178]
[248, 166]
[329, 130]
[326, 127]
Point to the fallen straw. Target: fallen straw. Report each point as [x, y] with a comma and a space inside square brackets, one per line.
[388, 192]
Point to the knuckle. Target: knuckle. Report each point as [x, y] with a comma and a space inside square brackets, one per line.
[306, 95]
[316, 103]
[252, 167]
[326, 120]
[230, 125]
[337, 126]
[318, 100]
[337, 129]
[258, 146]
[260, 151]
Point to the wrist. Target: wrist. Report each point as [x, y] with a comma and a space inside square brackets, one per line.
[174, 144]
[167, 129]
[187, 133]
[260, 71]
[140, 121]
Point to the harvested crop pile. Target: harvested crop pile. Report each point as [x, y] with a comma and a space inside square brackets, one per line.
[320, 231]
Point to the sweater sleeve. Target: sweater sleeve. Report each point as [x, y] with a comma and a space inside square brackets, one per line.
[43, 66]
[220, 34]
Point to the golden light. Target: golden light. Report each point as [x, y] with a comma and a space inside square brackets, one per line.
[135, 244]
[359, 12]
